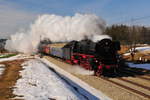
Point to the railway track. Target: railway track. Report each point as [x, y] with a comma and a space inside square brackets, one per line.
[129, 88]
[138, 71]
[144, 91]
[134, 83]
[129, 80]
[139, 74]
[135, 74]
[145, 78]
[120, 83]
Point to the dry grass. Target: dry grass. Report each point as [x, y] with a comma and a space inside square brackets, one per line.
[124, 49]
[9, 78]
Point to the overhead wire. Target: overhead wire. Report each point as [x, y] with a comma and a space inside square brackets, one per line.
[134, 19]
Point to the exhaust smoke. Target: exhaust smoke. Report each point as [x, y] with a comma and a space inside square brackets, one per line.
[57, 29]
[79, 70]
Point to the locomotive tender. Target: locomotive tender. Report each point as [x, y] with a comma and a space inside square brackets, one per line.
[99, 56]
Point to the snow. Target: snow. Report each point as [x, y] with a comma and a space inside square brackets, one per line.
[142, 48]
[2, 68]
[19, 56]
[40, 83]
[145, 66]
[90, 92]
[126, 54]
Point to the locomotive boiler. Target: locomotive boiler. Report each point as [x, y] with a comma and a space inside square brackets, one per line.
[101, 56]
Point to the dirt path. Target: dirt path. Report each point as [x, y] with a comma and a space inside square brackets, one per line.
[9, 78]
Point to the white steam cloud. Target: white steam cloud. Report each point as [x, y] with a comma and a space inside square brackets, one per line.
[56, 28]
[80, 70]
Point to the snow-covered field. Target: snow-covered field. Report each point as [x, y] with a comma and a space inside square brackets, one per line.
[19, 56]
[39, 83]
[142, 48]
[2, 67]
[145, 66]
[139, 49]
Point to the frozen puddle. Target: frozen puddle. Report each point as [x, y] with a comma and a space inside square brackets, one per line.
[40, 83]
[2, 68]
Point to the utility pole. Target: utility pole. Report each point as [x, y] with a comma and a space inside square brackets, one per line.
[132, 37]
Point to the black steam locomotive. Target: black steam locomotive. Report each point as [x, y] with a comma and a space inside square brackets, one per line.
[99, 56]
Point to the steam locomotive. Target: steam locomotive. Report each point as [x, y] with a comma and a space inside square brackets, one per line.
[99, 56]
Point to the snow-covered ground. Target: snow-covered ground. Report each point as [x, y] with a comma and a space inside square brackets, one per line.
[140, 49]
[82, 87]
[2, 68]
[19, 56]
[39, 83]
[145, 66]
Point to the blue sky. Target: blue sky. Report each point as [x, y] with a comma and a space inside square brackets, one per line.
[18, 13]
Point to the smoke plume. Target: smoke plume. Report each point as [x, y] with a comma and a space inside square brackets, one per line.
[79, 70]
[57, 29]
